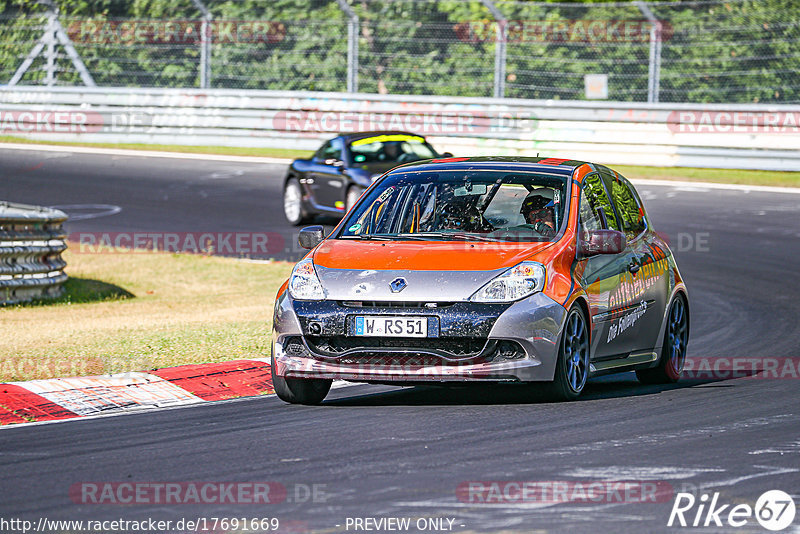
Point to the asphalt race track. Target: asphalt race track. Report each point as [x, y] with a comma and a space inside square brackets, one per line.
[376, 451]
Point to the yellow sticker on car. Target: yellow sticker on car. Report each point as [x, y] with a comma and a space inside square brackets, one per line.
[386, 138]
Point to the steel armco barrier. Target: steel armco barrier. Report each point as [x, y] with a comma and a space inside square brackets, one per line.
[31, 243]
[620, 133]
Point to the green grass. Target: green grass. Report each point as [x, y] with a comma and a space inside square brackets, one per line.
[142, 310]
[223, 150]
[728, 176]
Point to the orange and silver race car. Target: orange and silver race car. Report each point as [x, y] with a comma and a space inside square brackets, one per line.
[487, 269]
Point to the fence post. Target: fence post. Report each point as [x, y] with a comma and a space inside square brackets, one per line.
[50, 40]
[352, 46]
[205, 45]
[499, 49]
[654, 66]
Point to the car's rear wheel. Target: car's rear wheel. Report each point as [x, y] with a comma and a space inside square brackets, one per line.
[293, 202]
[310, 391]
[673, 353]
[572, 366]
[353, 194]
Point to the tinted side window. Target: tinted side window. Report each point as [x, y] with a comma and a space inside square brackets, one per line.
[590, 219]
[329, 150]
[630, 212]
[596, 195]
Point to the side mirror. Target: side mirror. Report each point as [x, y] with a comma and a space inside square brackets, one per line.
[311, 236]
[596, 242]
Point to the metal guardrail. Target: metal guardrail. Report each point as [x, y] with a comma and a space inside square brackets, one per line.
[31, 243]
[743, 136]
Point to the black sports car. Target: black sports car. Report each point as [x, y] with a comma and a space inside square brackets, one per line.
[332, 180]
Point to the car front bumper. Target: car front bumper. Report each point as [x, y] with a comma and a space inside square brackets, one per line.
[476, 342]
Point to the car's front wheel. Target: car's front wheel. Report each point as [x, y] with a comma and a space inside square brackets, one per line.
[310, 391]
[293, 202]
[572, 366]
[673, 353]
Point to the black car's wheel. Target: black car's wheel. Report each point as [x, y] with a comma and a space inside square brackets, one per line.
[673, 353]
[572, 366]
[353, 194]
[310, 391]
[293, 202]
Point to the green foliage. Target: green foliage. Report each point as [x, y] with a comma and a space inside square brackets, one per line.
[723, 51]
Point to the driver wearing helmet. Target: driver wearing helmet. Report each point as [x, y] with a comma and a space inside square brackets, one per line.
[539, 212]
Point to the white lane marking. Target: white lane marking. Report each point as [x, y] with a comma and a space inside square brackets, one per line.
[286, 161]
[791, 448]
[105, 210]
[700, 186]
[223, 175]
[143, 153]
[664, 437]
[621, 472]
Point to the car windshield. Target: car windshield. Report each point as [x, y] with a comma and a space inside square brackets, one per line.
[390, 149]
[480, 205]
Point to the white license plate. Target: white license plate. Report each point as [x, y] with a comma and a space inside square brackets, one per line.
[388, 326]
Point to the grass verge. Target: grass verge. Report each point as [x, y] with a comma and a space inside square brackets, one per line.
[727, 176]
[221, 150]
[722, 176]
[142, 310]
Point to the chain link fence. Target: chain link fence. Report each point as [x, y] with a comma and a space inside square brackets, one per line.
[689, 51]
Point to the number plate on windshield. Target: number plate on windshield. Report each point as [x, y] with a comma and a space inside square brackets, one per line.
[391, 326]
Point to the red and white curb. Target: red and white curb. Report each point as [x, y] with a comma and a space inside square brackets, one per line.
[67, 398]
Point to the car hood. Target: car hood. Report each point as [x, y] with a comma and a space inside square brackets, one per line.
[433, 271]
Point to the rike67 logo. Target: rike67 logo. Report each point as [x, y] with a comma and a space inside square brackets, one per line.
[774, 510]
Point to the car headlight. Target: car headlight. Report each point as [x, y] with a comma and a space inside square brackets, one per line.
[304, 283]
[518, 282]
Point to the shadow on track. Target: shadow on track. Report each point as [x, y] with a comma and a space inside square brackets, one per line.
[605, 387]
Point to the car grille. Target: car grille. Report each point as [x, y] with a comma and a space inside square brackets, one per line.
[403, 352]
[333, 346]
[393, 304]
[393, 360]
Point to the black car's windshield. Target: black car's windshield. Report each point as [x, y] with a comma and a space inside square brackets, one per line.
[392, 148]
[476, 205]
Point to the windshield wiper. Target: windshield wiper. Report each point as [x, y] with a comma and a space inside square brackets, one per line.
[373, 237]
[453, 235]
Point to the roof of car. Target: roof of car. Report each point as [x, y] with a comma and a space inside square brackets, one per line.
[361, 135]
[558, 165]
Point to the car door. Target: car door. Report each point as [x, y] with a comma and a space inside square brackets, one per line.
[648, 280]
[603, 277]
[326, 177]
